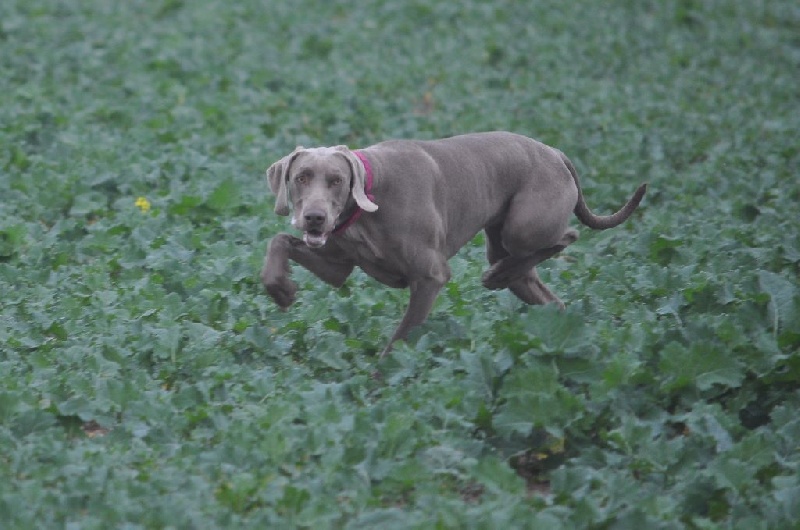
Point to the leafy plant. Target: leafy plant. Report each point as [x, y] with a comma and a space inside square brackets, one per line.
[146, 380]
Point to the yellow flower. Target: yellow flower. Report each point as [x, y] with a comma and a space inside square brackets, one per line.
[143, 204]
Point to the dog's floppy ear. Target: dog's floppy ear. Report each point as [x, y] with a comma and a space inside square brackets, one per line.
[278, 176]
[359, 179]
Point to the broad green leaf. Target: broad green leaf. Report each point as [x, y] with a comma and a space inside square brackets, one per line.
[559, 332]
[732, 473]
[224, 197]
[702, 365]
[76, 406]
[533, 397]
[480, 373]
[497, 475]
[11, 238]
[380, 518]
[784, 307]
[787, 495]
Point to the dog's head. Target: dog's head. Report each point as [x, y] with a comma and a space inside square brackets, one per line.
[319, 183]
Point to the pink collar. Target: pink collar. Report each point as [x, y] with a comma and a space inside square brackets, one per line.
[367, 189]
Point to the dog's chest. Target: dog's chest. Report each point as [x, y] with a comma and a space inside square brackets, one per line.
[384, 272]
[374, 259]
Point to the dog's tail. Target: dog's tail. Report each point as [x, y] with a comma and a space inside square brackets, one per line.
[601, 222]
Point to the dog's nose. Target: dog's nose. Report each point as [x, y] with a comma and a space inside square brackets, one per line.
[314, 218]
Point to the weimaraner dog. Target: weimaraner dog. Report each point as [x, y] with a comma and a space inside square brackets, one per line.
[400, 209]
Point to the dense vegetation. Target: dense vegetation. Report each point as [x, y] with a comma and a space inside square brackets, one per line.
[146, 381]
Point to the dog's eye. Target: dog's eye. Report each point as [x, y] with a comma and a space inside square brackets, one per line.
[302, 179]
[336, 181]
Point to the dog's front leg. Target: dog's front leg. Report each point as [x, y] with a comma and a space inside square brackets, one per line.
[326, 263]
[423, 294]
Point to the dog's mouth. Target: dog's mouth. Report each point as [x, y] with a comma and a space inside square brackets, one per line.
[315, 238]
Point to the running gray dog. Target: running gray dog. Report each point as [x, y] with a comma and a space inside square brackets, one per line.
[400, 209]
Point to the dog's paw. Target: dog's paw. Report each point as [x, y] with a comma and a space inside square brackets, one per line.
[505, 272]
[494, 278]
[282, 290]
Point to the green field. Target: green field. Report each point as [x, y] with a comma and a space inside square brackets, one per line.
[146, 380]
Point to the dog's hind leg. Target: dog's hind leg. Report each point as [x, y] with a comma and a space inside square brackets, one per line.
[535, 228]
[531, 290]
[513, 268]
[519, 275]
